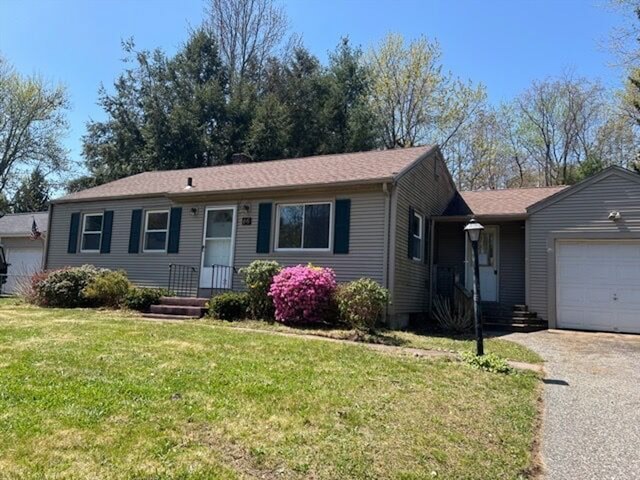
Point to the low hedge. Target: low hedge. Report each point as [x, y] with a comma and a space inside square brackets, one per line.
[229, 306]
[361, 303]
[141, 298]
[108, 289]
[64, 288]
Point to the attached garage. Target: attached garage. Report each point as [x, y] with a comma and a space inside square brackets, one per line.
[598, 285]
[583, 254]
[23, 262]
[23, 247]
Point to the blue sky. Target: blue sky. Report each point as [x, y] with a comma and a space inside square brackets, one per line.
[503, 44]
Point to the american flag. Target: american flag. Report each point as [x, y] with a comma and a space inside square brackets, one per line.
[35, 233]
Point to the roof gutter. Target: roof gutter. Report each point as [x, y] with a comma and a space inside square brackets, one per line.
[196, 194]
[463, 218]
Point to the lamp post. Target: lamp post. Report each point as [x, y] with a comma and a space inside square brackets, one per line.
[474, 229]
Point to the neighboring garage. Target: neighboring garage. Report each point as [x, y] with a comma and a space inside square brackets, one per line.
[23, 246]
[583, 254]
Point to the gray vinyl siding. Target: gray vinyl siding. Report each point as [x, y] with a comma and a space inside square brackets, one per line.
[427, 188]
[145, 269]
[366, 242]
[512, 265]
[582, 214]
[450, 253]
[365, 257]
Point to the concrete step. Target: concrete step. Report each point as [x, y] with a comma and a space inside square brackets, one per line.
[161, 316]
[184, 310]
[513, 327]
[523, 319]
[184, 301]
[521, 308]
[516, 321]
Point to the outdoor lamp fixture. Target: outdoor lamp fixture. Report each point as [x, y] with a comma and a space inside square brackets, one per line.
[474, 229]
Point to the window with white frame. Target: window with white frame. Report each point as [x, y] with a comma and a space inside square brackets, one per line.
[91, 232]
[416, 231]
[303, 226]
[156, 230]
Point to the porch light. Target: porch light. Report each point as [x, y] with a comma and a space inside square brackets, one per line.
[474, 229]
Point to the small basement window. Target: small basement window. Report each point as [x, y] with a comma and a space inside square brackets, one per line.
[156, 228]
[416, 231]
[91, 233]
[304, 226]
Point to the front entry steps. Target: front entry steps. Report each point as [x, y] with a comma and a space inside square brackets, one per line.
[520, 320]
[178, 308]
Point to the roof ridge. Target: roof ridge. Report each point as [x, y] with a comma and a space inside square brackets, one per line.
[22, 213]
[282, 160]
[513, 189]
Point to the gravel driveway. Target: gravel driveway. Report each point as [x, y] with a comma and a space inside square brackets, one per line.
[591, 426]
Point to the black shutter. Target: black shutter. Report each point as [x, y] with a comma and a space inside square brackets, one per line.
[72, 247]
[263, 244]
[107, 225]
[134, 233]
[174, 230]
[410, 238]
[341, 226]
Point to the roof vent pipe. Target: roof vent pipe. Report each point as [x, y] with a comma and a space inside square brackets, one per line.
[189, 183]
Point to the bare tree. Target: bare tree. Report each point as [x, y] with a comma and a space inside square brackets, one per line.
[414, 100]
[482, 155]
[32, 122]
[558, 120]
[248, 32]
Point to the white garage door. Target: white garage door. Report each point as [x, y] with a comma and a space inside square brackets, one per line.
[24, 262]
[598, 286]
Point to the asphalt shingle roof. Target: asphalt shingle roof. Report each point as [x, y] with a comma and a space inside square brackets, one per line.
[20, 223]
[352, 168]
[510, 201]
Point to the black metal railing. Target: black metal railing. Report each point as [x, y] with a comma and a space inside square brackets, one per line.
[445, 279]
[222, 278]
[183, 280]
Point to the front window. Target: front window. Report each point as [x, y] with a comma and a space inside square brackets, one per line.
[304, 226]
[91, 232]
[416, 232]
[156, 227]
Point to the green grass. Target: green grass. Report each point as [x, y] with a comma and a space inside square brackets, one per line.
[94, 394]
[427, 341]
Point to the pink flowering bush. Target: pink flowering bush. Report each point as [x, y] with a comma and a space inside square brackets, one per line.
[303, 294]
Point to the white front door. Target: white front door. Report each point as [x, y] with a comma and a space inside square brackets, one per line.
[218, 248]
[488, 260]
[598, 285]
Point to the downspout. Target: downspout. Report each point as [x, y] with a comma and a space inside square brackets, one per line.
[387, 236]
[48, 238]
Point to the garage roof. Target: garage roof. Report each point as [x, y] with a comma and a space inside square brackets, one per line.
[19, 224]
[508, 202]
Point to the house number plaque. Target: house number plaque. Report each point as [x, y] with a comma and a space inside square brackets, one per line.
[246, 220]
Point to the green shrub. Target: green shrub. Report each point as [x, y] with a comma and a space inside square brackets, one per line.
[489, 362]
[141, 298]
[361, 303]
[64, 288]
[229, 306]
[258, 277]
[107, 289]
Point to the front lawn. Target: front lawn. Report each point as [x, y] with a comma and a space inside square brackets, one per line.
[90, 394]
[427, 341]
